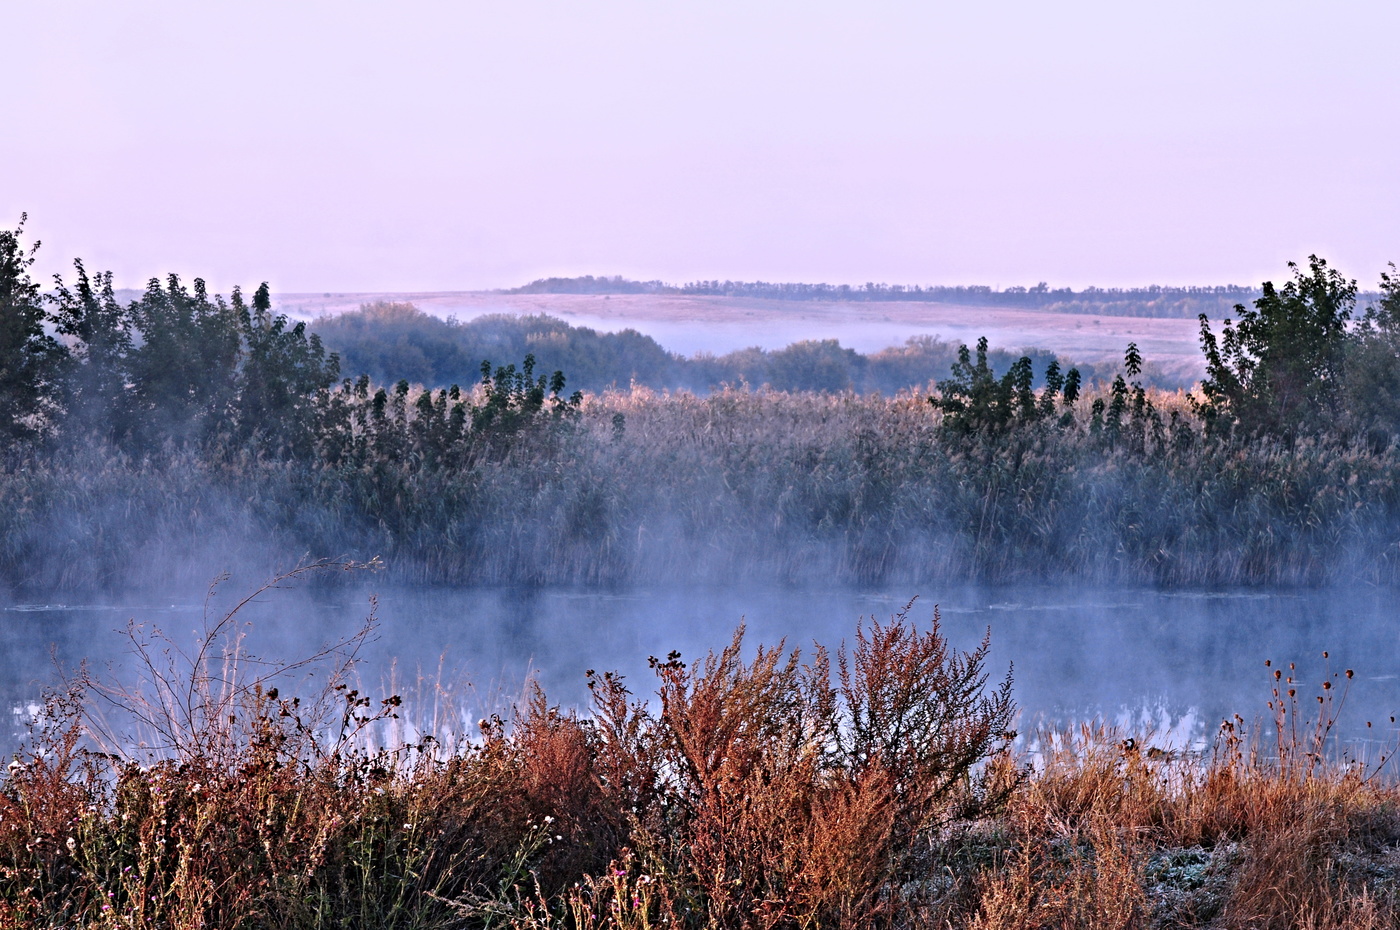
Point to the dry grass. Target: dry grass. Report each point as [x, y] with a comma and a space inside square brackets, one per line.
[756, 788]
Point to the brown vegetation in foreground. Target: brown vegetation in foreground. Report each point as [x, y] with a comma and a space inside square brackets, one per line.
[875, 788]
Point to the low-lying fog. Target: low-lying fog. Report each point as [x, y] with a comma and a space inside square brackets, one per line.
[693, 324]
[1179, 659]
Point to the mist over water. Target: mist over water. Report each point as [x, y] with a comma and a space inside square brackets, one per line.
[1171, 659]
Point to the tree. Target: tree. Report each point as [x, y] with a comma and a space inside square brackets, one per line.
[29, 356]
[96, 393]
[1373, 365]
[1279, 371]
[813, 365]
[184, 363]
[283, 373]
[512, 401]
[977, 403]
[1132, 361]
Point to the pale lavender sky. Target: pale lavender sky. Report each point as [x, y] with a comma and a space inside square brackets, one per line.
[423, 146]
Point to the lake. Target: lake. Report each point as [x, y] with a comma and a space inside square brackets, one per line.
[1182, 659]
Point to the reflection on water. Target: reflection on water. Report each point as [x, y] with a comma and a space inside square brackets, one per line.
[1185, 659]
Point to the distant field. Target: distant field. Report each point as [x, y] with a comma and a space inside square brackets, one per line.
[690, 324]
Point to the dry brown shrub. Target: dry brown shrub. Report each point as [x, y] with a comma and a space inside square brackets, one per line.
[841, 859]
[922, 711]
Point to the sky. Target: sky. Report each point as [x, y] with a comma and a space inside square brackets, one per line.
[414, 146]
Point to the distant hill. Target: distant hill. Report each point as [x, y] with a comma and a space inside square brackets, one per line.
[392, 340]
[1154, 301]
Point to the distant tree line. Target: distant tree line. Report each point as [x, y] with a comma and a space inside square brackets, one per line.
[1153, 301]
[397, 340]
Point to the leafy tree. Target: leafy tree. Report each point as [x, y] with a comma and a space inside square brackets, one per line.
[1279, 371]
[397, 340]
[30, 358]
[1071, 388]
[514, 399]
[283, 373]
[184, 363]
[96, 392]
[1373, 365]
[1054, 383]
[1132, 361]
[813, 365]
[975, 402]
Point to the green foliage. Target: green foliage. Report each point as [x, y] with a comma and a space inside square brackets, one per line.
[98, 398]
[284, 380]
[976, 403]
[30, 359]
[1278, 372]
[380, 440]
[513, 399]
[1132, 361]
[389, 341]
[813, 365]
[748, 486]
[1373, 366]
[512, 481]
[179, 368]
[183, 364]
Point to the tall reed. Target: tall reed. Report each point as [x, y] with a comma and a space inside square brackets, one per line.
[739, 485]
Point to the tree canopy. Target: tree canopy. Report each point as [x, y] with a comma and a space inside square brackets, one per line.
[29, 356]
[1278, 371]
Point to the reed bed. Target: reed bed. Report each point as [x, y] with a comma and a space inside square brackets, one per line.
[876, 786]
[646, 487]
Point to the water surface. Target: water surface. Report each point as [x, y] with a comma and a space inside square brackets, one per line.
[1182, 658]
